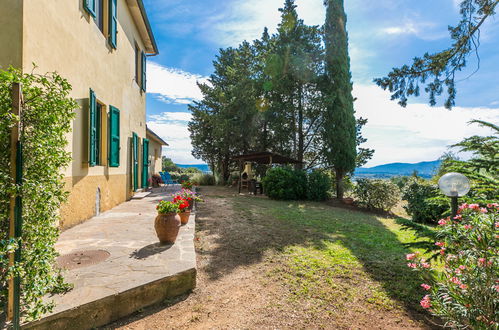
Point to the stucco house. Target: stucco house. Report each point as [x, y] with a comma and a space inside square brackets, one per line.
[155, 145]
[101, 47]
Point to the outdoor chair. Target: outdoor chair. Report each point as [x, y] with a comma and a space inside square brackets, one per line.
[167, 179]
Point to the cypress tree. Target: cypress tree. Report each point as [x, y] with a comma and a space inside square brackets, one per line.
[339, 127]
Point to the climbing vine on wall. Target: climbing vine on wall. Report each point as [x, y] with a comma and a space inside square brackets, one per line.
[47, 113]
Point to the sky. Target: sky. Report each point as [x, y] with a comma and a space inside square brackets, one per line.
[382, 34]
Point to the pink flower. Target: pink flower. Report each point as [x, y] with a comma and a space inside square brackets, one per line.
[496, 287]
[481, 261]
[474, 207]
[492, 205]
[426, 302]
[411, 256]
[462, 267]
[463, 286]
[483, 210]
[458, 217]
[457, 271]
[442, 251]
[442, 222]
[425, 265]
[468, 227]
[455, 280]
[440, 244]
[425, 286]
[497, 224]
[412, 265]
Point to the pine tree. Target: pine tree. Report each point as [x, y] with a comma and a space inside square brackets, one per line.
[340, 125]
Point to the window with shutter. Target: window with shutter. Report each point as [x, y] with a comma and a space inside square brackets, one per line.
[113, 22]
[90, 6]
[143, 67]
[114, 137]
[92, 115]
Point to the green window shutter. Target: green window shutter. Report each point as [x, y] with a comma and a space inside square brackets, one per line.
[145, 163]
[114, 137]
[92, 143]
[135, 156]
[143, 68]
[90, 6]
[113, 22]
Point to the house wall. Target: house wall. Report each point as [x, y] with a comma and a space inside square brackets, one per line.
[11, 22]
[59, 35]
[154, 156]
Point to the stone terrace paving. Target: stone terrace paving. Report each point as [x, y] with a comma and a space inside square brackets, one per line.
[138, 272]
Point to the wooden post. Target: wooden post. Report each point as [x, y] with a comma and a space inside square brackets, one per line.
[13, 303]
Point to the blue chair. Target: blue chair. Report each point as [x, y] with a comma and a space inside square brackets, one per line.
[167, 179]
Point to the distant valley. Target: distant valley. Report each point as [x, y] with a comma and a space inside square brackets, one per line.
[423, 169]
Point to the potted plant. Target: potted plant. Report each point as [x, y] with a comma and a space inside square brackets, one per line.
[167, 223]
[156, 180]
[184, 211]
[186, 184]
[190, 196]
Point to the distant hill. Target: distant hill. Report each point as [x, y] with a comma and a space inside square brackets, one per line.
[424, 169]
[201, 167]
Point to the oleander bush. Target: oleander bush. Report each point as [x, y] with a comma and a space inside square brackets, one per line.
[464, 291]
[376, 194]
[47, 113]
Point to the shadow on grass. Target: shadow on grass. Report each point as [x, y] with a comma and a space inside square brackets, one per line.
[259, 225]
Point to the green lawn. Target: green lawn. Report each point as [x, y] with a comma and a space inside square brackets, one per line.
[333, 256]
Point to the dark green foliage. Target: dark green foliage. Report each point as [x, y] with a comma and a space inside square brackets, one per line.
[425, 203]
[376, 194]
[268, 95]
[284, 183]
[319, 186]
[483, 167]
[400, 181]
[339, 125]
[436, 72]
[47, 115]
[168, 165]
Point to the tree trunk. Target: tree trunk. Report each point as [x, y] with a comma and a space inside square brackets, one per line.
[339, 184]
[300, 130]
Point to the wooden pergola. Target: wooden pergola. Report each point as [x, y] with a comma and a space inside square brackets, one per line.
[264, 158]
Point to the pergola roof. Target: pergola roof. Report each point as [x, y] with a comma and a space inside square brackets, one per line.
[266, 157]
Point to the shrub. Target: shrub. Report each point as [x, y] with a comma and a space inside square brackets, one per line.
[285, 183]
[377, 194]
[203, 179]
[465, 291]
[46, 120]
[424, 201]
[318, 186]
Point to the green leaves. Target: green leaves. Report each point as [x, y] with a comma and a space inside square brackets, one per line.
[443, 66]
[46, 120]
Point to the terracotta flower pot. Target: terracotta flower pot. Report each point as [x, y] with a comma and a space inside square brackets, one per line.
[167, 226]
[184, 217]
[348, 200]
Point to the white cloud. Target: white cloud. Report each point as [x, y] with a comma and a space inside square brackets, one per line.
[416, 133]
[173, 85]
[175, 133]
[245, 20]
[172, 116]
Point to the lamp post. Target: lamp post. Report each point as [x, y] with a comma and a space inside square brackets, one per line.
[454, 185]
